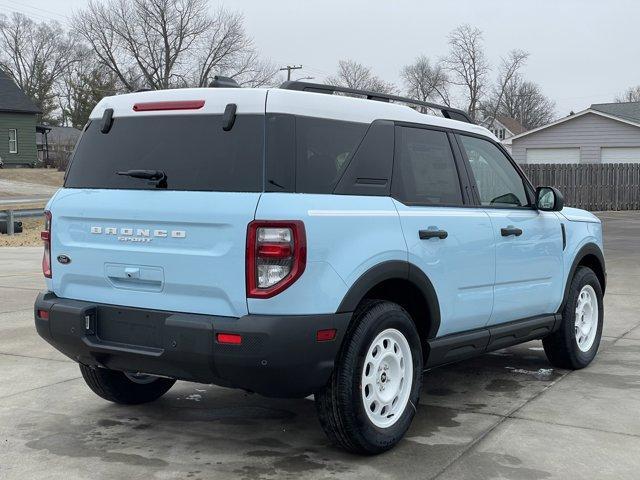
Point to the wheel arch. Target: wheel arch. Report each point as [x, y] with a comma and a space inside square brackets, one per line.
[403, 283]
[589, 255]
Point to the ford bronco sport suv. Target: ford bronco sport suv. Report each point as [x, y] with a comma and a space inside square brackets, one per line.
[301, 240]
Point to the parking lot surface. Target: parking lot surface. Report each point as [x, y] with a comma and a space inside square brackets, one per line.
[507, 414]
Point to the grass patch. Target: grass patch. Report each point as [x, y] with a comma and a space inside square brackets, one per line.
[30, 236]
[39, 176]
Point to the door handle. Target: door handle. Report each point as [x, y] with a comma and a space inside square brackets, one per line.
[510, 231]
[426, 234]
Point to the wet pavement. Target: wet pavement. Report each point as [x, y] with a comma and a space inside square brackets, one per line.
[505, 415]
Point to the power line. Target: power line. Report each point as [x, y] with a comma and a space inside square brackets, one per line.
[34, 16]
[50, 12]
[289, 68]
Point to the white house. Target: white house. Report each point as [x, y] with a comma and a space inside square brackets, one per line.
[506, 127]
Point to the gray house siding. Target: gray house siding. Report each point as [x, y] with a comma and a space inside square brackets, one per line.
[589, 132]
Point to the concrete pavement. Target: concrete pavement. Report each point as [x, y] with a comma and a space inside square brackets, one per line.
[505, 415]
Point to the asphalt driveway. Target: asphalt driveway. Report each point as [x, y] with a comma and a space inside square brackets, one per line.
[507, 414]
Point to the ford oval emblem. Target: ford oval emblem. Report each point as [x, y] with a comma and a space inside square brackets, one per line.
[63, 259]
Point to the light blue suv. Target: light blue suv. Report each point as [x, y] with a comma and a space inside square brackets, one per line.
[302, 240]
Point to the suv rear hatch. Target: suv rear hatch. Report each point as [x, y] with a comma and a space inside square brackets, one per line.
[175, 244]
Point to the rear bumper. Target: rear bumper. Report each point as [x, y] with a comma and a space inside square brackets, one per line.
[279, 355]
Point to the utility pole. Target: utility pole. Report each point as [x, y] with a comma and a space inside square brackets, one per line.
[288, 68]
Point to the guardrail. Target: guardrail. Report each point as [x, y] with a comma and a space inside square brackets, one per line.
[11, 216]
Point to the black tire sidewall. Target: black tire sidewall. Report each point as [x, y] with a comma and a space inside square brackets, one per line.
[376, 321]
[583, 276]
[114, 386]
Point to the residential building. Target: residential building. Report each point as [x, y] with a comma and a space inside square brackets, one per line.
[55, 144]
[17, 125]
[506, 127]
[603, 133]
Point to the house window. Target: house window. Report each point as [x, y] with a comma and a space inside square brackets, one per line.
[13, 140]
[499, 133]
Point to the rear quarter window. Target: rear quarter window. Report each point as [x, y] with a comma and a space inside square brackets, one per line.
[309, 155]
[193, 150]
[324, 148]
[425, 170]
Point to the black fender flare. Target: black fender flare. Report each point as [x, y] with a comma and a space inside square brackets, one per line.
[587, 249]
[390, 270]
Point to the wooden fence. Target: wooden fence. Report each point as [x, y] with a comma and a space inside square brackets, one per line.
[596, 187]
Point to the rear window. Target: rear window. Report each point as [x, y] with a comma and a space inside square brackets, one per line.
[193, 151]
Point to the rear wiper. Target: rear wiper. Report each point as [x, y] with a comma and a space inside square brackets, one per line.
[156, 175]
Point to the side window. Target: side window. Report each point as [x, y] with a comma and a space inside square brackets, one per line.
[499, 183]
[425, 170]
[13, 140]
[324, 148]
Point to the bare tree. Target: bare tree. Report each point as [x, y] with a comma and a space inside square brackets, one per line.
[632, 94]
[352, 74]
[170, 43]
[509, 68]
[82, 86]
[467, 63]
[426, 82]
[35, 55]
[229, 51]
[523, 101]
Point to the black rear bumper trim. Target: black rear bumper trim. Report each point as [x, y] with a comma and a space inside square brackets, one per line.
[279, 355]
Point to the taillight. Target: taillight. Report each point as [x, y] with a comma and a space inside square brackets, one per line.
[276, 256]
[46, 239]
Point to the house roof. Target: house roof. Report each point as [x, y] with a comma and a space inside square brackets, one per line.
[628, 118]
[12, 99]
[627, 110]
[513, 125]
[60, 135]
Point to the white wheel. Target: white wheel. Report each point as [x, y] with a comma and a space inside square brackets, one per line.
[387, 376]
[586, 319]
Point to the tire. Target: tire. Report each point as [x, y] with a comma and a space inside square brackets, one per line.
[564, 349]
[117, 387]
[341, 403]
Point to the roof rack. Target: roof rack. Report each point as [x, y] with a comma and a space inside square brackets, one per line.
[447, 112]
[224, 82]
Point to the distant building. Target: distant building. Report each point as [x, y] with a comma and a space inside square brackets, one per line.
[603, 133]
[506, 127]
[17, 125]
[55, 144]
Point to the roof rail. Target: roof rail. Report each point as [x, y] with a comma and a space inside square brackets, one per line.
[447, 112]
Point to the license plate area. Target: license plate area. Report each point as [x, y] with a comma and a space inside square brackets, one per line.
[130, 326]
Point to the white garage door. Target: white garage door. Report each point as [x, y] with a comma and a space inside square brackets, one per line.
[621, 155]
[553, 155]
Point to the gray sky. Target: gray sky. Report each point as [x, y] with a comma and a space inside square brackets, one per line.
[582, 51]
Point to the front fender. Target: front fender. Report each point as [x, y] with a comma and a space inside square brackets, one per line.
[587, 248]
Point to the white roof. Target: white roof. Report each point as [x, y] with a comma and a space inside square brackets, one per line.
[252, 101]
[249, 100]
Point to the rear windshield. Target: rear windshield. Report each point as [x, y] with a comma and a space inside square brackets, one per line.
[193, 151]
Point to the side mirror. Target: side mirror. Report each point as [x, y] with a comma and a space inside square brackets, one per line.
[549, 199]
